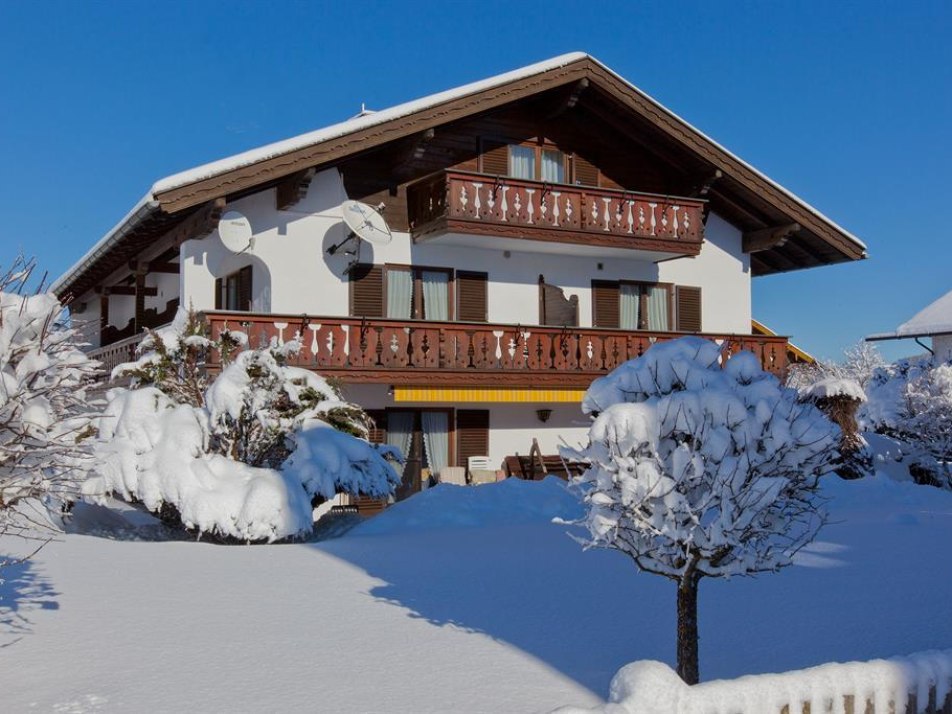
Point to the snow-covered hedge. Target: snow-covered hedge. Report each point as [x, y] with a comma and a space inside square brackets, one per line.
[215, 455]
[649, 687]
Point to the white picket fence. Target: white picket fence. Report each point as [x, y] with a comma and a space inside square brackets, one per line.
[920, 683]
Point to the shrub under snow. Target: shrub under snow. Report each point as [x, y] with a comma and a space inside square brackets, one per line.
[44, 413]
[215, 456]
[698, 471]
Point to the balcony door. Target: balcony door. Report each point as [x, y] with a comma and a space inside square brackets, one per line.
[419, 293]
[424, 437]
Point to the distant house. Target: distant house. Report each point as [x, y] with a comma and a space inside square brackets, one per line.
[934, 321]
[548, 224]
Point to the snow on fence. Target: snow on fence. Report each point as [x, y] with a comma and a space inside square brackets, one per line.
[920, 683]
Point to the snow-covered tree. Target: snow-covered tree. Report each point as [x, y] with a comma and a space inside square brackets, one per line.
[839, 398]
[859, 363]
[44, 410]
[213, 453]
[697, 471]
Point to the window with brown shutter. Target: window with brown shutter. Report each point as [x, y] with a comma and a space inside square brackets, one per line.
[233, 292]
[472, 434]
[366, 291]
[688, 304]
[471, 296]
[605, 308]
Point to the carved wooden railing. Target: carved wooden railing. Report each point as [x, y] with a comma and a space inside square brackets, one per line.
[383, 350]
[470, 202]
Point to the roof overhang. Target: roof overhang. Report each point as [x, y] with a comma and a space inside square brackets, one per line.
[170, 201]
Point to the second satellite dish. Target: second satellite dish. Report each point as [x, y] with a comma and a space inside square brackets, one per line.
[365, 223]
[234, 229]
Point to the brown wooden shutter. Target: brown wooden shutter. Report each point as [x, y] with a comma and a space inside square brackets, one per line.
[366, 291]
[219, 289]
[555, 309]
[244, 288]
[688, 306]
[472, 434]
[584, 173]
[605, 310]
[495, 158]
[471, 296]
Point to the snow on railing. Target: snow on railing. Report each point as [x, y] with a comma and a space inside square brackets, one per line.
[919, 683]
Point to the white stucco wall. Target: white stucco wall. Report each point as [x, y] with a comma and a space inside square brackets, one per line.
[942, 346]
[292, 272]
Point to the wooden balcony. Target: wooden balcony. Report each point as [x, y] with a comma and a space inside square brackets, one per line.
[116, 353]
[419, 352]
[460, 202]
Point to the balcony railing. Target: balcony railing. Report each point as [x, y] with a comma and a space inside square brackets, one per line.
[464, 202]
[117, 353]
[423, 352]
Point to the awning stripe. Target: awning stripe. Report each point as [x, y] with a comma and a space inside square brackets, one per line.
[477, 394]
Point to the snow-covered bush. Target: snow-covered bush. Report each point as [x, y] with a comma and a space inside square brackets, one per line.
[212, 454]
[859, 364]
[911, 400]
[697, 471]
[44, 411]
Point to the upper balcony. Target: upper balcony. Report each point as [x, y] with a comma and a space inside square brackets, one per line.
[458, 204]
[422, 352]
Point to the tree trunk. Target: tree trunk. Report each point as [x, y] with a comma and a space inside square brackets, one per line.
[687, 628]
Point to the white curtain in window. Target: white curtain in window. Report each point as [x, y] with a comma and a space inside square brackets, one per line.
[629, 306]
[553, 167]
[658, 308]
[436, 295]
[436, 440]
[400, 431]
[522, 162]
[399, 294]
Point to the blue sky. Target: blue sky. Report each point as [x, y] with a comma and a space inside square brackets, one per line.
[846, 104]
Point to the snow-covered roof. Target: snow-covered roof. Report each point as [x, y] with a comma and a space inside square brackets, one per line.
[149, 204]
[934, 319]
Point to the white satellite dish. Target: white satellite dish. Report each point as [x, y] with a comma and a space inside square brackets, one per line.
[365, 223]
[235, 232]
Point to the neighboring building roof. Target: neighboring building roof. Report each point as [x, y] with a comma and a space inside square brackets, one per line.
[176, 198]
[934, 319]
[795, 353]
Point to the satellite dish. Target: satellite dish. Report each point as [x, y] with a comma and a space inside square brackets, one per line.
[365, 222]
[235, 232]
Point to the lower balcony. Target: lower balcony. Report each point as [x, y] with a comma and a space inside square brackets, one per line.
[421, 352]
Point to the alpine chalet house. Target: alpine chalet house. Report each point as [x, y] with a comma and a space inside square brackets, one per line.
[547, 225]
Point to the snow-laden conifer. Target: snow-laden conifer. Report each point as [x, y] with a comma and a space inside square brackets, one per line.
[213, 453]
[701, 471]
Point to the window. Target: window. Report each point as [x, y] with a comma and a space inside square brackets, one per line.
[533, 162]
[404, 292]
[632, 305]
[233, 292]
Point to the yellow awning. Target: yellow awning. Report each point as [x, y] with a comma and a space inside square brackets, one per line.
[478, 394]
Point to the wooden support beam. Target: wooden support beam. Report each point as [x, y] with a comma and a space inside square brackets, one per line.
[705, 186]
[103, 309]
[293, 189]
[155, 266]
[196, 226]
[140, 288]
[131, 290]
[767, 238]
[571, 100]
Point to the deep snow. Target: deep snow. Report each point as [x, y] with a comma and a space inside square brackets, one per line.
[459, 599]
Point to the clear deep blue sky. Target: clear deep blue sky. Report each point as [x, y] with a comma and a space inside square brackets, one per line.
[848, 104]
